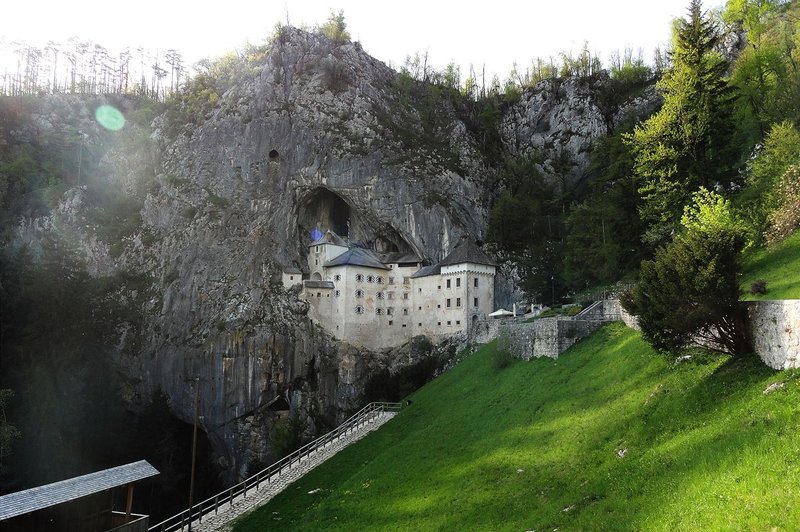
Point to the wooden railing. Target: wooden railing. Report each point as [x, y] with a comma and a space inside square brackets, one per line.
[366, 415]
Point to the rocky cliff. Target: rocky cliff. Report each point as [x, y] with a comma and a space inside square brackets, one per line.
[315, 135]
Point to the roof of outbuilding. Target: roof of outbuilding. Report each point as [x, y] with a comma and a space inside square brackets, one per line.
[400, 257]
[318, 284]
[357, 257]
[465, 252]
[426, 271]
[40, 497]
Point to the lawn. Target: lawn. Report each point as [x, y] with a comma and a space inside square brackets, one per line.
[610, 436]
[778, 265]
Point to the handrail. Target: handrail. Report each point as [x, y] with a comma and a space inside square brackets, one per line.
[178, 521]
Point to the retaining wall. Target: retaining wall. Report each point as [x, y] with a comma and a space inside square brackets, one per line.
[775, 330]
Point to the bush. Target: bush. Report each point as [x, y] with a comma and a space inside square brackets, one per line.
[786, 218]
[286, 436]
[501, 356]
[759, 287]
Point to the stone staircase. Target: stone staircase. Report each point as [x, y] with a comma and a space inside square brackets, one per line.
[219, 512]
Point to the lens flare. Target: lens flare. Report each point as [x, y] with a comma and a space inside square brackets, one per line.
[109, 117]
[316, 234]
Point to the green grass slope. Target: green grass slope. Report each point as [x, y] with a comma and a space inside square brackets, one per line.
[537, 445]
[779, 266]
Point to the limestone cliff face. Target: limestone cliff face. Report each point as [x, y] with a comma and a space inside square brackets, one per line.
[318, 135]
[559, 119]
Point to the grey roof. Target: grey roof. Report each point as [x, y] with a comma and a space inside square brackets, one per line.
[426, 271]
[400, 257]
[357, 257]
[292, 269]
[330, 238]
[318, 284]
[38, 498]
[467, 251]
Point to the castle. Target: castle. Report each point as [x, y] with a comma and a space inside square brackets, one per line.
[380, 300]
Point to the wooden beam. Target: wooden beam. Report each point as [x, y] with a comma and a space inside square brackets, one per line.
[129, 504]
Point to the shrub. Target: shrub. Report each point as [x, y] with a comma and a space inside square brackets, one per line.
[759, 287]
[501, 356]
[286, 436]
[786, 218]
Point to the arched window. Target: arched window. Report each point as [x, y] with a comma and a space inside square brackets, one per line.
[359, 293]
[370, 279]
[379, 279]
[359, 309]
[379, 295]
[379, 311]
[337, 277]
[360, 277]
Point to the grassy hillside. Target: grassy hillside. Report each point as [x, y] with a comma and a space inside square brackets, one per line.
[610, 436]
[779, 266]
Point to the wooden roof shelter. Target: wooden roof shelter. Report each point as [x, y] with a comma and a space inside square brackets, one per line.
[22, 506]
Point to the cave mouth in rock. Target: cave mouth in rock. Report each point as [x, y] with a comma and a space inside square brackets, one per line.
[321, 209]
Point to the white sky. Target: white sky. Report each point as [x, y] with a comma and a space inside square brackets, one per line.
[493, 33]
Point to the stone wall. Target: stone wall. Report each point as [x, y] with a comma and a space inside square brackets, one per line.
[545, 337]
[775, 329]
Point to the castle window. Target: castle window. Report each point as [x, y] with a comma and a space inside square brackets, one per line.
[404, 325]
[319, 295]
[379, 279]
[406, 280]
[438, 323]
[379, 295]
[448, 303]
[360, 277]
[316, 250]
[391, 280]
[391, 322]
[475, 282]
[370, 279]
[316, 262]
[359, 309]
[359, 293]
[390, 295]
[458, 301]
[337, 277]
[458, 282]
[419, 325]
[419, 308]
[475, 302]
[379, 311]
[291, 277]
[458, 322]
[405, 312]
[438, 306]
[439, 287]
[389, 311]
[337, 293]
[448, 323]
[448, 283]
[405, 295]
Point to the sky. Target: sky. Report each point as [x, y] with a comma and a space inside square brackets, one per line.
[495, 34]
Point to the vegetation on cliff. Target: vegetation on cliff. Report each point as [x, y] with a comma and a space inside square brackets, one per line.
[609, 436]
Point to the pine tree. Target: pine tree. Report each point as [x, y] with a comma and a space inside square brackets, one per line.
[686, 144]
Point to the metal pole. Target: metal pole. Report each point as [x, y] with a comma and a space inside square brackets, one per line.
[194, 447]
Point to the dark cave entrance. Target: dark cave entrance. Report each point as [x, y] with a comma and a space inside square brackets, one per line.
[322, 209]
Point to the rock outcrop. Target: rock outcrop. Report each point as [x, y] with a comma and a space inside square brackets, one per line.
[316, 135]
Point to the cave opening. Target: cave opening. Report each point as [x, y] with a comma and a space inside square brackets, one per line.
[322, 209]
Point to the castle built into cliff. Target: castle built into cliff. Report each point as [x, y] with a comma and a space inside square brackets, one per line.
[379, 300]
